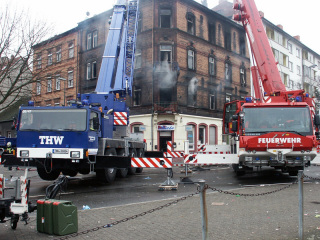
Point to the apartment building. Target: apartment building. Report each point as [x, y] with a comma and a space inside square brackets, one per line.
[189, 62]
[55, 70]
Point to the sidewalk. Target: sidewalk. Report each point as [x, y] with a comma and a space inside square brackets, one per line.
[232, 217]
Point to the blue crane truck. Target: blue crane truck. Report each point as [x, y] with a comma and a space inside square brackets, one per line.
[91, 133]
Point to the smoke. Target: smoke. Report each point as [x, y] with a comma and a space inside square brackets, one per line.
[193, 86]
[167, 77]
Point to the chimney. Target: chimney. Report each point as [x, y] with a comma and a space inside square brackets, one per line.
[280, 26]
[204, 3]
[297, 37]
[261, 14]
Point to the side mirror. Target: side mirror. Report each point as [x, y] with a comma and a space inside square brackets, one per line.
[96, 124]
[317, 120]
[234, 126]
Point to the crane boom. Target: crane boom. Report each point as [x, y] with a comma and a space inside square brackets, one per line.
[266, 64]
[116, 72]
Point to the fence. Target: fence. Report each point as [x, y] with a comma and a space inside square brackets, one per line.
[265, 212]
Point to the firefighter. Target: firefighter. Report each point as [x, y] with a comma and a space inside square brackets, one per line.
[9, 149]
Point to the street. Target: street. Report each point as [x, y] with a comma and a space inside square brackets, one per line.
[86, 190]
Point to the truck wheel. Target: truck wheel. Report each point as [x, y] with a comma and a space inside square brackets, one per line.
[132, 170]
[14, 221]
[106, 175]
[122, 172]
[48, 176]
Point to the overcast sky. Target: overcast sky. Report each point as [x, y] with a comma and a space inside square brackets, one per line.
[297, 17]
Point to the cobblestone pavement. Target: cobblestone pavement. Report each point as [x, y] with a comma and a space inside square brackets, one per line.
[272, 216]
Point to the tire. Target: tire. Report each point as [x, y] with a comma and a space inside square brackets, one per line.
[48, 176]
[132, 170]
[122, 172]
[69, 172]
[14, 221]
[106, 175]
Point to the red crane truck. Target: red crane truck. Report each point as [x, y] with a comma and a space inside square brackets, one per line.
[276, 128]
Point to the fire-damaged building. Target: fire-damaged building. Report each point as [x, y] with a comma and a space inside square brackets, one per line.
[189, 61]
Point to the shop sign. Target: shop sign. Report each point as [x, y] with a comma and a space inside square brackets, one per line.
[165, 127]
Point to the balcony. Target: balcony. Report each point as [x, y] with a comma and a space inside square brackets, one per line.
[166, 107]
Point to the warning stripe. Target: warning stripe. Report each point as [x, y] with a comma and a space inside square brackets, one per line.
[1, 185]
[120, 122]
[151, 162]
[121, 115]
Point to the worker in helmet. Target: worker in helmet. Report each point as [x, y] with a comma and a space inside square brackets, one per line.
[9, 149]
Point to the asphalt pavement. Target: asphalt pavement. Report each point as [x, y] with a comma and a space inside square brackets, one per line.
[273, 215]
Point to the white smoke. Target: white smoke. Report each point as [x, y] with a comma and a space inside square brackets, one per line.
[193, 86]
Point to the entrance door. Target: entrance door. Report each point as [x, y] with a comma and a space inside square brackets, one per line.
[164, 137]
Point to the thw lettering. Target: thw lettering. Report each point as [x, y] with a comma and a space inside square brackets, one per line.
[50, 140]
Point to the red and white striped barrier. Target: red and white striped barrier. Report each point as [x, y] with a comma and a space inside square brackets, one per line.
[120, 118]
[1, 185]
[171, 153]
[151, 162]
[23, 183]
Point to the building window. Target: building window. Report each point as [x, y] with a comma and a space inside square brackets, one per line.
[38, 87]
[191, 59]
[228, 98]
[234, 42]
[298, 52]
[137, 96]
[137, 59]
[192, 92]
[291, 66]
[191, 23]
[212, 135]
[212, 66]
[228, 70]
[49, 84]
[58, 54]
[190, 137]
[285, 79]
[71, 50]
[39, 61]
[89, 41]
[94, 39]
[165, 18]
[227, 40]
[70, 79]
[289, 47]
[49, 57]
[58, 83]
[212, 102]
[136, 128]
[202, 134]
[212, 33]
[243, 81]
[298, 70]
[166, 53]
[242, 46]
[91, 70]
[9, 134]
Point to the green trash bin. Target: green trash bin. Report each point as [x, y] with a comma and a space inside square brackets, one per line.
[65, 218]
[40, 215]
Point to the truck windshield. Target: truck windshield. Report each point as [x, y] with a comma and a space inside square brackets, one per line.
[53, 120]
[277, 119]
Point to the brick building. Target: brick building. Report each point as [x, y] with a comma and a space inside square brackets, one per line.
[56, 70]
[189, 61]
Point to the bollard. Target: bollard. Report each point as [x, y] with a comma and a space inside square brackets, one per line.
[204, 214]
[300, 180]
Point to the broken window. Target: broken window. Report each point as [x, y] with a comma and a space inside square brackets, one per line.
[166, 53]
[212, 33]
[227, 40]
[191, 23]
[137, 96]
[192, 92]
[165, 18]
[242, 46]
[212, 102]
[228, 71]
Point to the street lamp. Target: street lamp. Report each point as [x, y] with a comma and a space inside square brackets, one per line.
[64, 90]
